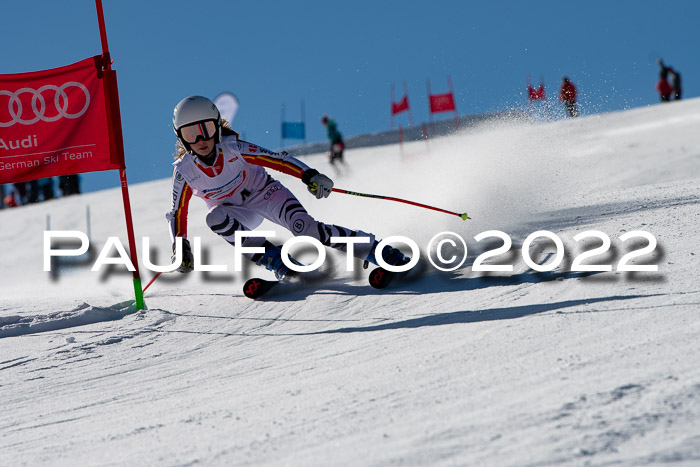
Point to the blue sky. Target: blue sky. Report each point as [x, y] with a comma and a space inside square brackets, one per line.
[340, 58]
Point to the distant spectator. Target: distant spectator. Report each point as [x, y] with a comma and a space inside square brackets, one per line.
[10, 200]
[46, 188]
[676, 83]
[675, 79]
[69, 185]
[21, 190]
[22, 193]
[568, 96]
[665, 89]
[32, 191]
[337, 143]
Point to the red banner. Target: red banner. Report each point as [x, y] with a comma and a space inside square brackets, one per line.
[401, 106]
[54, 122]
[536, 94]
[442, 103]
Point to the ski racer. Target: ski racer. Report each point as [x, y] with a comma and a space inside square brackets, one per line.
[567, 95]
[337, 143]
[229, 174]
[675, 82]
[664, 89]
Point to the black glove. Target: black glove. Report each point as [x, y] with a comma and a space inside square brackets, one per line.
[318, 184]
[187, 264]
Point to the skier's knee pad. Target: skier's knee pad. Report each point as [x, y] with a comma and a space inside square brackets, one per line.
[217, 218]
[303, 224]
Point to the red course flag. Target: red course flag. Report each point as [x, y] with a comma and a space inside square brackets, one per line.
[401, 106]
[54, 122]
[536, 94]
[442, 103]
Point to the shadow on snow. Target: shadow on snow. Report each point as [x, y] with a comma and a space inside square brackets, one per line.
[492, 314]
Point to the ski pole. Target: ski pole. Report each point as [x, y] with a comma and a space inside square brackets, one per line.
[462, 216]
[151, 281]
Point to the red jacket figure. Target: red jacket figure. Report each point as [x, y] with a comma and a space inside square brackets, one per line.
[665, 89]
[536, 94]
[568, 96]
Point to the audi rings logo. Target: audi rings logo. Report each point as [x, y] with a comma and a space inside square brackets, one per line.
[39, 105]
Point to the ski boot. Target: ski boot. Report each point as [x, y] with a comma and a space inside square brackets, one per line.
[391, 256]
[272, 261]
[379, 278]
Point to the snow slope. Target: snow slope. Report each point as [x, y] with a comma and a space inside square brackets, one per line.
[460, 368]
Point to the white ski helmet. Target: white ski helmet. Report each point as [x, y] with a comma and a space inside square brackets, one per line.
[195, 109]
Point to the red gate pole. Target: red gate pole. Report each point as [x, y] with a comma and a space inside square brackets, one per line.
[430, 107]
[452, 93]
[391, 98]
[410, 113]
[117, 146]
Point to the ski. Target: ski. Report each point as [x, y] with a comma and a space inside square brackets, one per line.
[379, 278]
[255, 287]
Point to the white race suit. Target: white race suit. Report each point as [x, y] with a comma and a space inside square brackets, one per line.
[240, 194]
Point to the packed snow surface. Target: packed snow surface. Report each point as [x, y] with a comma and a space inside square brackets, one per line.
[451, 368]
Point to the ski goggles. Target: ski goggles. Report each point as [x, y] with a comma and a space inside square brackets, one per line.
[190, 134]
